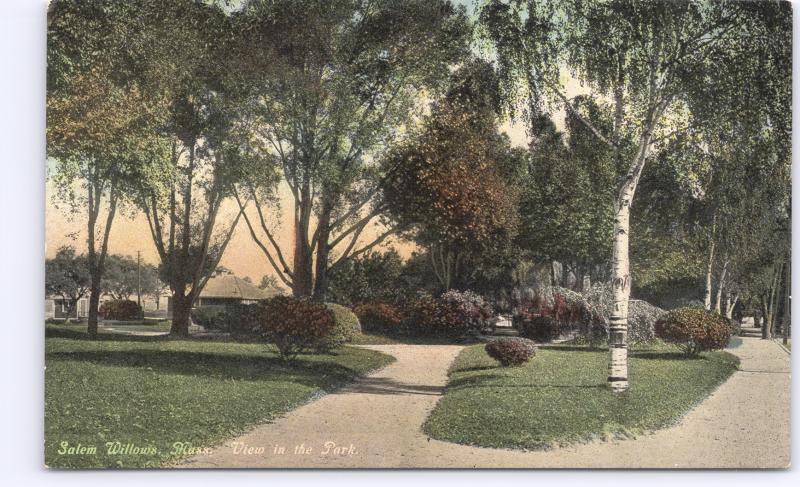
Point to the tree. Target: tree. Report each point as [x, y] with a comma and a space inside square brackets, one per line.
[371, 277]
[453, 187]
[96, 121]
[333, 84]
[67, 275]
[124, 277]
[185, 70]
[662, 67]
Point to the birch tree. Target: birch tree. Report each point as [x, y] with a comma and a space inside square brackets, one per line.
[656, 65]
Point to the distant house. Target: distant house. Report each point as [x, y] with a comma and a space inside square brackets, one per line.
[55, 307]
[225, 289]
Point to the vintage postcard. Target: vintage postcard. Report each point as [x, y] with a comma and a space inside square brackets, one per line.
[418, 234]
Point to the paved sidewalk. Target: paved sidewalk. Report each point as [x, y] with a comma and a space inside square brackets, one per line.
[376, 423]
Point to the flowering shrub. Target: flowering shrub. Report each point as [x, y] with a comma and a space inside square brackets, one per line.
[694, 330]
[120, 309]
[293, 325]
[642, 316]
[378, 317]
[511, 351]
[453, 314]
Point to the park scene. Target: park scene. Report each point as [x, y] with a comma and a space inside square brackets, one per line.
[418, 234]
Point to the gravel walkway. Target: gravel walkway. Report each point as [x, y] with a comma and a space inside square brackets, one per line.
[376, 423]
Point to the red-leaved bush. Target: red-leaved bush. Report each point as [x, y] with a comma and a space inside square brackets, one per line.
[378, 317]
[453, 314]
[511, 351]
[694, 330]
[293, 325]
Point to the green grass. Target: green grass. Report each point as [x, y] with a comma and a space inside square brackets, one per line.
[155, 392]
[561, 397]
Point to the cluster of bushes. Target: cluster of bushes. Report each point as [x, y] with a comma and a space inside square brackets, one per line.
[293, 325]
[642, 316]
[694, 330]
[379, 317]
[547, 312]
[120, 309]
[511, 351]
[452, 315]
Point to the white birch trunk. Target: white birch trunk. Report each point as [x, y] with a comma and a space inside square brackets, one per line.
[720, 287]
[709, 269]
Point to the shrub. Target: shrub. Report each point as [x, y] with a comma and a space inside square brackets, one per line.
[209, 317]
[511, 351]
[345, 328]
[120, 309]
[239, 320]
[642, 316]
[378, 317]
[694, 330]
[452, 315]
[540, 328]
[293, 325]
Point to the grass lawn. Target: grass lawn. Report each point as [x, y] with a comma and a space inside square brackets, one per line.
[152, 393]
[561, 398]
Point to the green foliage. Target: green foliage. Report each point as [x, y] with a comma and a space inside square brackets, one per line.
[543, 329]
[67, 275]
[372, 277]
[345, 328]
[562, 397]
[157, 393]
[123, 278]
[694, 329]
[120, 309]
[210, 317]
[511, 351]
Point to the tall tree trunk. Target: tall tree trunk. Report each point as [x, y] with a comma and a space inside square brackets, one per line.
[765, 330]
[303, 282]
[94, 302]
[730, 304]
[720, 287]
[181, 314]
[620, 260]
[787, 306]
[774, 294]
[710, 267]
[323, 251]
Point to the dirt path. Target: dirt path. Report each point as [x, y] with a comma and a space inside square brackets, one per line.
[381, 417]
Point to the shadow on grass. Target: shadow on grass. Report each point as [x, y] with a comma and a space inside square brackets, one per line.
[480, 381]
[225, 366]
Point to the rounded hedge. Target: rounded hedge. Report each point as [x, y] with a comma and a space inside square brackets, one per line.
[511, 351]
[293, 325]
[345, 328]
[694, 329]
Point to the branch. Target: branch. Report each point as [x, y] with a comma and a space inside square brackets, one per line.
[263, 248]
[568, 106]
[366, 248]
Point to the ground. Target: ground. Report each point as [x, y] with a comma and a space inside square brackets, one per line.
[377, 423]
[153, 393]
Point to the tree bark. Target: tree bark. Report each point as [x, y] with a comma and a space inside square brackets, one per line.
[710, 268]
[181, 315]
[323, 252]
[787, 306]
[720, 287]
[94, 302]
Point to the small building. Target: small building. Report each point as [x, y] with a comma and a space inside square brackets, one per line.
[225, 289]
[56, 307]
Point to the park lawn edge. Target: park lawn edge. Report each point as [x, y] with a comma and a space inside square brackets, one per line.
[380, 359]
[610, 431]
